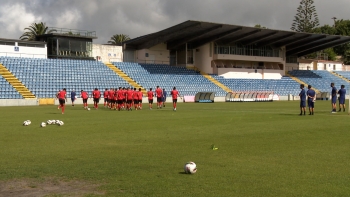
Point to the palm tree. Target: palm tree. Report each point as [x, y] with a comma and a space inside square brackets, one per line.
[35, 29]
[118, 39]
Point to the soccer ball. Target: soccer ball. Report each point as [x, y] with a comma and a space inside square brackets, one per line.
[61, 123]
[49, 122]
[27, 123]
[190, 167]
[57, 121]
[43, 124]
[88, 109]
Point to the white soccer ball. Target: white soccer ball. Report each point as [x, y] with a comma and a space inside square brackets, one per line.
[27, 123]
[57, 121]
[61, 123]
[190, 167]
[49, 122]
[43, 124]
[88, 109]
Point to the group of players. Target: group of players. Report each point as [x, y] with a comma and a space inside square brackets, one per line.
[310, 96]
[120, 99]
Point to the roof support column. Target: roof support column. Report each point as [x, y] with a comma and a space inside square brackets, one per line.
[186, 55]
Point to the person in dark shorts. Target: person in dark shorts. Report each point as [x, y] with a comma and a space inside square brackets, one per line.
[334, 98]
[84, 95]
[73, 97]
[150, 95]
[62, 98]
[342, 93]
[302, 96]
[96, 95]
[140, 95]
[311, 96]
[164, 97]
[105, 96]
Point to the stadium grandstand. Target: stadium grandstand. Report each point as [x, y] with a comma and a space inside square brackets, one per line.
[194, 56]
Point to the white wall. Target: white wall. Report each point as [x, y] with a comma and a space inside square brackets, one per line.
[158, 54]
[241, 73]
[203, 57]
[108, 53]
[330, 66]
[23, 51]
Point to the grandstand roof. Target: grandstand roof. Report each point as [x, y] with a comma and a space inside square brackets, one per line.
[197, 33]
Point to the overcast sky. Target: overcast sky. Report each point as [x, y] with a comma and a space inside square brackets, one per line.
[139, 17]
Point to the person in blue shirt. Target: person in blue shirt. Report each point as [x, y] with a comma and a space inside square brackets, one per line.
[311, 97]
[302, 96]
[334, 98]
[72, 97]
[342, 93]
[164, 97]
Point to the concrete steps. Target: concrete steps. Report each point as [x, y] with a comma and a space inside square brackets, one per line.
[302, 82]
[16, 84]
[126, 77]
[214, 81]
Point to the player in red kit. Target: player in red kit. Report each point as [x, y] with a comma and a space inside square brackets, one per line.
[140, 95]
[135, 98]
[105, 96]
[150, 95]
[174, 93]
[159, 93]
[84, 95]
[120, 96]
[62, 98]
[124, 98]
[111, 98]
[96, 94]
[129, 97]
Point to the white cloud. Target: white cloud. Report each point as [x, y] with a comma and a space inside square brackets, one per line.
[68, 19]
[14, 18]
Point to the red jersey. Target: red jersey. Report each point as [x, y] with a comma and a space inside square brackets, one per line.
[174, 94]
[150, 94]
[159, 92]
[61, 95]
[84, 95]
[96, 94]
[136, 95]
[124, 94]
[140, 95]
[129, 94]
[105, 94]
[111, 95]
[120, 95]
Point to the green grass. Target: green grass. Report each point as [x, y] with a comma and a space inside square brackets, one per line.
[265, 149]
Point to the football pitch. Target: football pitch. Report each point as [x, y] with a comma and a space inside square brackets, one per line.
[264, 149]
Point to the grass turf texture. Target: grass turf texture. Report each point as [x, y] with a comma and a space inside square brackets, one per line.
[265, 149]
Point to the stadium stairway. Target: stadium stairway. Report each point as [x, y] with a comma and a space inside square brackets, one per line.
[338, 75]
[16, 84]
[301, 82]
[214, 81]
[126, 77]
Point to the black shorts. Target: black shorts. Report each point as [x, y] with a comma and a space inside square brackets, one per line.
[62, 101]
[120, 102]
[96, 100]
[136, 101]
[106, 100]
[124, 100]
[112, 101]
[159, 99]
[140, 100]
[150, 101]
[85, 100]
[129, 101]
[174, 100]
